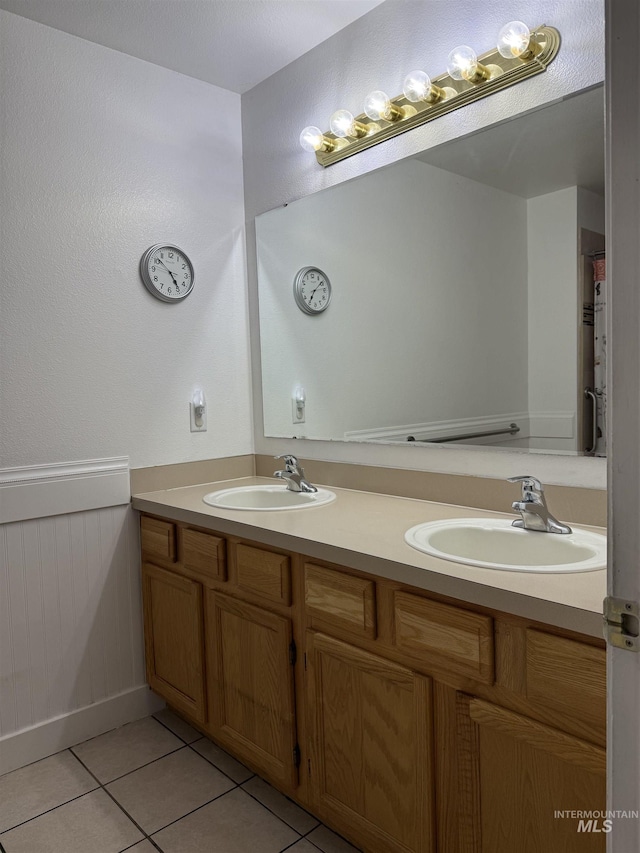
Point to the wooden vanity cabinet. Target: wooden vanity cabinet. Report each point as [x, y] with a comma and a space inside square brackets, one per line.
[408, 722]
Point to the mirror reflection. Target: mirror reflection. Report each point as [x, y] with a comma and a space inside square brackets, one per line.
[447, 298]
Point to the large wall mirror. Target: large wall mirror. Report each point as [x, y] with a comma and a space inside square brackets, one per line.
[463, 302]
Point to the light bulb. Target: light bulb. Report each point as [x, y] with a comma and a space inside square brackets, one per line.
[462, 64]
[342, 123]
[418, 87]
[377, 105]
[312, 139]
[514, 39]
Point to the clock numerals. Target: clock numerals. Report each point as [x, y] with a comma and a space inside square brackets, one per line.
[167, 273]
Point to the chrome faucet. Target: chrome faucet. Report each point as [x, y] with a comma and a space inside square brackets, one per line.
[533, 508]
[293, 474]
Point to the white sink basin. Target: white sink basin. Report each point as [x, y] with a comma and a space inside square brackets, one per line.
[494, 544]
[268, 497]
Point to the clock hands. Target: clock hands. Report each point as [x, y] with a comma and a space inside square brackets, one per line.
[158, 261]
[314, 290]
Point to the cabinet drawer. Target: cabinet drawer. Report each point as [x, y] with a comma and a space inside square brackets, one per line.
[567, 676]
[158, 538]
[340, 600]
[264, 573]
[204, 554]
[448, 638]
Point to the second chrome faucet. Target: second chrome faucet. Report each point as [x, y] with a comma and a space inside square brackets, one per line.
[533, 508]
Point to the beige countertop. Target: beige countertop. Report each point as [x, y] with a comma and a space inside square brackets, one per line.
[365, 531]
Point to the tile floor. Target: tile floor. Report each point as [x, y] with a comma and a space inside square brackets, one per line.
[155, 784]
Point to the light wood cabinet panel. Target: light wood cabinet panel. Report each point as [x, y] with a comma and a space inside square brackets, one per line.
[567, 676]
[263, 573]
[444, 636]
[371, 765]
[515, 774]
[174, 642]
[250, 685]
[158, 538]
[204, 554]
[338, 600]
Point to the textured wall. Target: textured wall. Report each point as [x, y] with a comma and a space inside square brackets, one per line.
[102, 156]
[377, 51]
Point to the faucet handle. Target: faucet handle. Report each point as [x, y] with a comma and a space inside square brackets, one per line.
[529, 483]
[290, 461]
[532, 491]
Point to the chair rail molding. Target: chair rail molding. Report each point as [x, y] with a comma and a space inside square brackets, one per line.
[38, 491]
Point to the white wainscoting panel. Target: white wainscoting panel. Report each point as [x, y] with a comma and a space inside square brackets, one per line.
[70, 623]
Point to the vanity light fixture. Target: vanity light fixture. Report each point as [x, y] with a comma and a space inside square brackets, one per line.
[520, 53]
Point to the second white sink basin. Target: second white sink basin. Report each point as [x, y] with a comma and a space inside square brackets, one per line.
[267, 497]
[495, 544]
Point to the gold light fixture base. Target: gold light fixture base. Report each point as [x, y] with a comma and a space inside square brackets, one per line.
[547, 43]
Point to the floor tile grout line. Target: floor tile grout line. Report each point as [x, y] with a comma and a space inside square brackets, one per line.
[37, 761]
[53, 808]
[238, 784]
[108, 793]
[197, 809]
[186, 742]
[275, 814]
[129, 772]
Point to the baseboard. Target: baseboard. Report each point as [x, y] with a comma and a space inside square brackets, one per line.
[28, 745]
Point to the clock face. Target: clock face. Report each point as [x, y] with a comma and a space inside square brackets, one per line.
[167, 272]
[312, 290]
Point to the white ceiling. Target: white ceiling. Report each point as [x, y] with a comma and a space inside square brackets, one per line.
[234, 44]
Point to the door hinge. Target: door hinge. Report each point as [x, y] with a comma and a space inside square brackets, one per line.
[296, 755]
[621, 626]
[309, 766]
[293, 653]
[305, 661]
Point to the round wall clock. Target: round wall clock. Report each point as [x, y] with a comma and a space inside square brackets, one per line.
[167, 272]
[312, 290]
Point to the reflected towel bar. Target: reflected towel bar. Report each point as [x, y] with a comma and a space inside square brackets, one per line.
[512, 430]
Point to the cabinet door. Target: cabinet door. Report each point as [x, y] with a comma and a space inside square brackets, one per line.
[250, 683]
[371, 766]
[520, 779]
[174, 639]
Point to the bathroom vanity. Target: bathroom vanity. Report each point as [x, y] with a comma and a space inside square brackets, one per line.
[412, 704]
